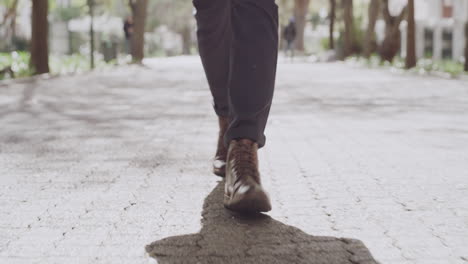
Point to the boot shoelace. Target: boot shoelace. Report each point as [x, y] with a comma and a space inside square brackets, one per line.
[245, 164]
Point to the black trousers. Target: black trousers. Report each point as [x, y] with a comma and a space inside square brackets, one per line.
[238, 44]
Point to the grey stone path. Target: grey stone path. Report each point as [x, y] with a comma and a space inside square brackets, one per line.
[96, 167]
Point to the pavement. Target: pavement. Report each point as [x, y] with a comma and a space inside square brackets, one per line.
[113, 166]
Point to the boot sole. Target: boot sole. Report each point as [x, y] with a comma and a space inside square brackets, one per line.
[221, 172]
[254, 201]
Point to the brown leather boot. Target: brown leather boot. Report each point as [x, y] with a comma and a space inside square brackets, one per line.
[219, 163]
[243, 191]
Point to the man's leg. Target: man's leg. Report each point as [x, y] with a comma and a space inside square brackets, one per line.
[252, 79]
[293, 48]
[238, 42]
[253, 67]
[214, 43]
[288, 48]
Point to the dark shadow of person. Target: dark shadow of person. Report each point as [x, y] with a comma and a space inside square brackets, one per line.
[226, 237]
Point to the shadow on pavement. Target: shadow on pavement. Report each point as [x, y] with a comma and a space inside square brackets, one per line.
[229, 238]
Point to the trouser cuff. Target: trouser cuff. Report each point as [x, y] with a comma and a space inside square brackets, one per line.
[245, 130]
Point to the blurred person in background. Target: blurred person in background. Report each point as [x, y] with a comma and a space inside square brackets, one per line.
[238, 44]
[289, 35]
[128, 31]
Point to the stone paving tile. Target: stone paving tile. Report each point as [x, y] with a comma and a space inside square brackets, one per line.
[94, 167]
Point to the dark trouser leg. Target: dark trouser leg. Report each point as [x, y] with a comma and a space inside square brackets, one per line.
[214, 44]
[238, 42]
[253, 67]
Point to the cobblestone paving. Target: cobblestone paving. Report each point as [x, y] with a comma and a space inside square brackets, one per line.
[230, 238]
[95, 167]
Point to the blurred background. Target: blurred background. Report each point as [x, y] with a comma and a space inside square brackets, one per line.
[68, 36]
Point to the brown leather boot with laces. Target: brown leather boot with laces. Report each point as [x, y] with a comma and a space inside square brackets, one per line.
[219, 162]
[243, 191]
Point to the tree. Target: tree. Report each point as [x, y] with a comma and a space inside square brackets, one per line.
[411, 37]
[301, 8]
[332, 23]
[348, 18]
[9, 22]
[391, 43]
[370, 42]
[39, 33]
[139, 21]
[91, 32]
[186, 34]
[466, 46]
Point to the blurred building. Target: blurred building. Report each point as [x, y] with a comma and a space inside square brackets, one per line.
[440, 29]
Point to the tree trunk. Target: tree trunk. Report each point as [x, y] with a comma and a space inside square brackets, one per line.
[349, 27]
[301, 8]
[39, 33]
[138, 36]
[332, 24]
[392, 41]
[391, 44]
[283, 17]
[370, 43]
[411, 37]
[91, 33]
[9, 22]
[13, 19]
[466, 46]
[186, 40]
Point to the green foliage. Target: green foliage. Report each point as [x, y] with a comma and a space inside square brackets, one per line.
[79, 8]
[359, 35]
[424, 66]
[325, 43]
[68, 13]
[448, 66]
[18, 61]
[6, 2]
[315, 19]
[428, 54]
[68, 64]
[76, 63]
